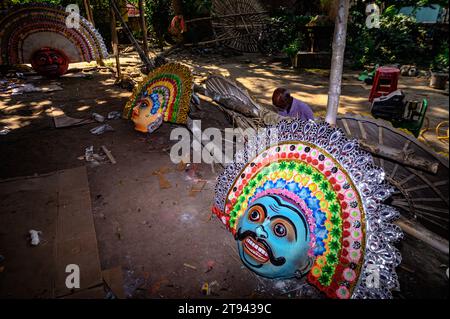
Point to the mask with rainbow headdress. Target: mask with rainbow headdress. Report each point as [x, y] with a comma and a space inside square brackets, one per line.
[303, 200]
[163, 96]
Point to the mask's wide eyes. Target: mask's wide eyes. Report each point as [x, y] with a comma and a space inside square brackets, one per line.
[256, 214]
[279, 230]
[283, 228]
[143, 104]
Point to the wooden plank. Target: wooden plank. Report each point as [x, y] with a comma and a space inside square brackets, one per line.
[113, 278]
[62, 120]
[75, 234]
[28, 203]
[59, 206]
[92, 293]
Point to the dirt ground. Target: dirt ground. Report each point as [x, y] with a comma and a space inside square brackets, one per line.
[166, 240]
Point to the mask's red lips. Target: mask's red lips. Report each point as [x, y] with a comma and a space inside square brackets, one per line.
[255, 250]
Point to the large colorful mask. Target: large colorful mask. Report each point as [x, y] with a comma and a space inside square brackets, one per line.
[39, 34]
[50, 62]
[164, 95]
[301, 199]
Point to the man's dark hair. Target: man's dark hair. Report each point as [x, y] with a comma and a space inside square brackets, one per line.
[280, 93]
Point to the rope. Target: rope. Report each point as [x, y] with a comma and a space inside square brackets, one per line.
[442, 138]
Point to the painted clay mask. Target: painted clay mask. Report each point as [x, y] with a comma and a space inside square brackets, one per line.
[50, 62]
[147, 116]
[308, 205]
[164, 95]
[273, 238]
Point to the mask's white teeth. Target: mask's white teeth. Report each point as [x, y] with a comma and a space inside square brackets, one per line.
[255, 248]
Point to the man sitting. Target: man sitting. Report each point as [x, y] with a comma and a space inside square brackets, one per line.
[289, 106]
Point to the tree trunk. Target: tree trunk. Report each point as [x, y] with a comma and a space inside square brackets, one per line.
[143, 26]
[337, 61]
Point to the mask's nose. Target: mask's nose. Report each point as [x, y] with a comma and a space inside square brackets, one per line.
[48, 59]
[260, 232]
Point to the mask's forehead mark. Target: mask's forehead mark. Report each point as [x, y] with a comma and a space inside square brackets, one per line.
[275, 208]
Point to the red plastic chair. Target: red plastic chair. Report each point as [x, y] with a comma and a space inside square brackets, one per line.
[385, 82]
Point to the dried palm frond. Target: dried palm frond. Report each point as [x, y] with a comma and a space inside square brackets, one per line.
[238, 106]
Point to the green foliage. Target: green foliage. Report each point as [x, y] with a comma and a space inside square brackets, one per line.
[390, 11]
[284, 31]
[158, 14]
[440, 62]
[196, 8]
[398, 40]
[292, 49]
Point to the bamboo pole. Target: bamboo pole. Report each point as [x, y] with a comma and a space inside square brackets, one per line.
[226, 16]
[421, 233]
[337, 62]
[90, 17]
[87, 8]
[114, 42]
[145, 59]
[219, 39]
[143, 26]
[400, 156]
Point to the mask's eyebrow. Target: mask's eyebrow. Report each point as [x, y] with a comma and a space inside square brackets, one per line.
[305, 224]
[288, 221]
[262, 207]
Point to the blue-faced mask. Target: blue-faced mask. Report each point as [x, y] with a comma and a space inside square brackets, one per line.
[273, 238]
